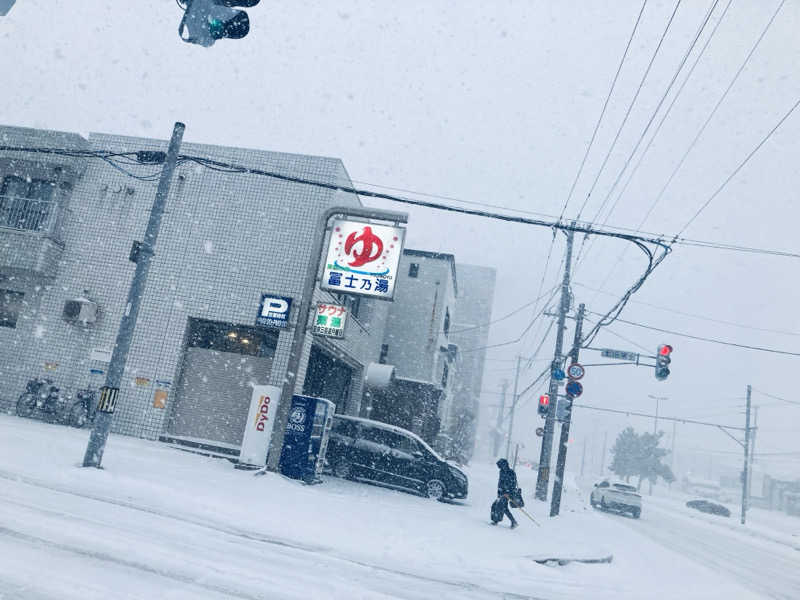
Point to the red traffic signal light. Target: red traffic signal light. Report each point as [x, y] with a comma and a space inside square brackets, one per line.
[662, 361]
[544, 404]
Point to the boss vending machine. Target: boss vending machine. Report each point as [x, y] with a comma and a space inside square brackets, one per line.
[306, 438]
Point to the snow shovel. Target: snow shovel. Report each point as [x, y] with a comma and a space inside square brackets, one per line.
[524, 512]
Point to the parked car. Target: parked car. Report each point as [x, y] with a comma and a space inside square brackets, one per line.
[619, 497]
[368, 450]
[707, 506]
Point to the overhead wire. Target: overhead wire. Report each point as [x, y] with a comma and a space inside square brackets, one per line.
[743, 162]
[740, 166]
[668, 111]
[127, 158]
[630, 108]
[774, 397]
[719, 102]
[693, 315]
[515, 340]
[707, 339]
[664, 117]
[661, 101]
[603, 111]
[504, 317]
[681, 241]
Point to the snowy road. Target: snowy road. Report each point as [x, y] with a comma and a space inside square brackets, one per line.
[159, 523]
[124, 547]
[767, 567]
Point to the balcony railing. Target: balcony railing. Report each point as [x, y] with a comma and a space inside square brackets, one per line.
[28, 214]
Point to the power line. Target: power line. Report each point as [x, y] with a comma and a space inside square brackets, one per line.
[776, 397]
[622, 337]
[666, 115]
[544, 272]
[694, 143]
[719, 102]
[504, 317]
[585, 226]
[740, 166]
[630, 108]
[658, 128]
[711, 340]
[660, 417]
[657, 108]
[603, 112]
[515, 340]
[692, 315]
[680, 241]
[534, 382]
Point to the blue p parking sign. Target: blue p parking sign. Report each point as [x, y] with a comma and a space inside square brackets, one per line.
[274, 311]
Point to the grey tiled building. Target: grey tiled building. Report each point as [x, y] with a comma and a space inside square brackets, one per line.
[67, 225]
[471, 334]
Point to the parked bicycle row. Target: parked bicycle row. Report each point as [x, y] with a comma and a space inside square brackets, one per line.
[45, 400]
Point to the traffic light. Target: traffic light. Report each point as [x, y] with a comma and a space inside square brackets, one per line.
[662, 361]
[544, 405]
[206, 21]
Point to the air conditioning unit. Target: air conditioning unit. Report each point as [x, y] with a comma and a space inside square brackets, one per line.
[80, 310]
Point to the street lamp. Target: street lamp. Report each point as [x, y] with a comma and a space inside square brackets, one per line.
[655, 421]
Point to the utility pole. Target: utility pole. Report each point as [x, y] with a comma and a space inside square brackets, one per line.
[561, 461]
[655, 419]
[142, 255]
[672, 452]
[583, 456]
[498, 438]
[543, 477]
[745, 490]
[752, 454]
[513, 407]
[603, 455]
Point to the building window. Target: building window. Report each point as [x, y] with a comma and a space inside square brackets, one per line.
[446, 327]
[413, 270]
[10, 307]
[384, 354]
[445, 373]
[26, 203]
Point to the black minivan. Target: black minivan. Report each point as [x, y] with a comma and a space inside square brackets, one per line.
[391, 456]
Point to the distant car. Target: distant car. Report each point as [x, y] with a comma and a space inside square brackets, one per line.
[368, 450]
[707, 506]
[619, 497]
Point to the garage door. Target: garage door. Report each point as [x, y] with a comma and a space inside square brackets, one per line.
[215, 385]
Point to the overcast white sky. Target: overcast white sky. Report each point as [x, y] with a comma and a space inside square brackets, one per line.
[494, 103]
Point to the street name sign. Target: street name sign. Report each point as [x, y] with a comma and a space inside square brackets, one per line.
[619, 354]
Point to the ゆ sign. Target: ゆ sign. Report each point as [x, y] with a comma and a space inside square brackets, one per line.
[363, 259]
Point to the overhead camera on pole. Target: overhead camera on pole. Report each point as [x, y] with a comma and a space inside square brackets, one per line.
[206, 21]
[662, 361]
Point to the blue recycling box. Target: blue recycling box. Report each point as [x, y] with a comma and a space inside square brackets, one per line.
[306, 437]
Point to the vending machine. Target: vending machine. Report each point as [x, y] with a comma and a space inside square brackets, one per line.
[306, 438]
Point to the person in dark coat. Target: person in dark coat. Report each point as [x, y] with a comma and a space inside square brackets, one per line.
[506, 488]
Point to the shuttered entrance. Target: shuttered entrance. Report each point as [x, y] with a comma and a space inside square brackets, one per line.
[221, 363]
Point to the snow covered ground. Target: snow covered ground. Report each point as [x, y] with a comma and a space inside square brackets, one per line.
[160, 523]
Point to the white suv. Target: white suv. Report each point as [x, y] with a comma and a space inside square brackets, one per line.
[616, 496]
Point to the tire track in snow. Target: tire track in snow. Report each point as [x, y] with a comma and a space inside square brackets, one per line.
[462, 586]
